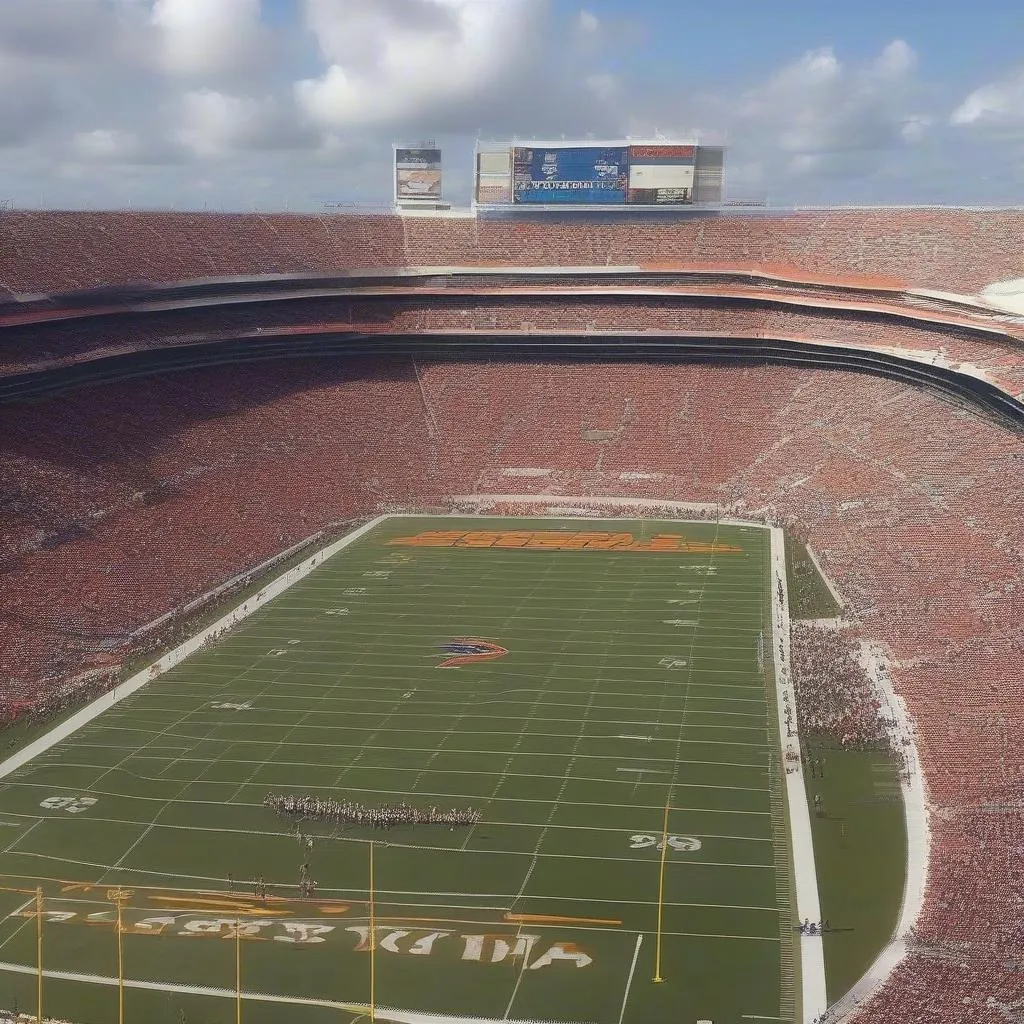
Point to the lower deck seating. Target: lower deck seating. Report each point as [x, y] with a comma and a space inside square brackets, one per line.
[122, 501]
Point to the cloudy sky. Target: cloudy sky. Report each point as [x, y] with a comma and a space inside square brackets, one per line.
[271, 104]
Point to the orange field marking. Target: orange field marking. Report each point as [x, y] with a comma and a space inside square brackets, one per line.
[561, 540]
[226, 904]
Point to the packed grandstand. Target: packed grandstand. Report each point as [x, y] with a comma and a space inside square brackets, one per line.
[185, 396]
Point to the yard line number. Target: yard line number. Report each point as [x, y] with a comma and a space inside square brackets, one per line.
[69, 804]
[684, 844]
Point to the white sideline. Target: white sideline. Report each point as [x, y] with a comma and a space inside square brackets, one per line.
[814, 1000]
[915, 809]
[383, 1012]
[136, 682]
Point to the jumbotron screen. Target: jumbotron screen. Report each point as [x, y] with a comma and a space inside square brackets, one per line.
[417, 174]
[610, 174]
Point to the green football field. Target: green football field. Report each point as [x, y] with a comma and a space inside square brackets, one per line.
[634, 702]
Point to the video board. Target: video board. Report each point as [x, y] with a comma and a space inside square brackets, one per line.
[570, 174]
[418, 175]
[610, 174]
[661, 175]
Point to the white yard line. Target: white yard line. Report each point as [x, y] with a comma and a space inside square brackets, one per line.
[28, 920]
[14, 842]
[426, 750]
[629, 980]
[103, 703]
[404, 846]
[296, 705]
[814, 1000]
[382, 1012]
[395, 768]
[501, 696]
[384, 792]
[515, 988]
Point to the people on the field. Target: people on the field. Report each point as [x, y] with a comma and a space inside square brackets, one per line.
[348, 812]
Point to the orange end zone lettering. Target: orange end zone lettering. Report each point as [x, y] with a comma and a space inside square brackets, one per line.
[557, 540]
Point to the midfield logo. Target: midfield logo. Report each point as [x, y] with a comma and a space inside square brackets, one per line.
[465, 650]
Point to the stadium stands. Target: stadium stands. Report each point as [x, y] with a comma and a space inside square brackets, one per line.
[122, 501]
[47, 251]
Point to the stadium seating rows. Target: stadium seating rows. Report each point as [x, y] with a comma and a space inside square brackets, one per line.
[122, 501]
[145, 493]
[62, 343]
[60, 251]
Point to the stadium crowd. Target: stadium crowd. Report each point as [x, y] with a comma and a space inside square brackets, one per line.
[58, 250]
[714, 310]
[912, 504]
[835, 698]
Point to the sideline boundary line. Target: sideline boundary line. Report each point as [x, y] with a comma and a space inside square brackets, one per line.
[106, 701]
[385, 1012]
[811, 949]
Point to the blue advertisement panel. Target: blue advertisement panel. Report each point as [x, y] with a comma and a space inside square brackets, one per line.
[570, 174]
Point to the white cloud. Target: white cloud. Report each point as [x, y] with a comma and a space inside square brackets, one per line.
[106, 145]
[997, 105]
[164, 101]
[395, 60]
[916, 127]
[28, 100]
[603, 85]
[826, 117]
[214, 124]
[818, 108]
[58, 29]
[202, 38]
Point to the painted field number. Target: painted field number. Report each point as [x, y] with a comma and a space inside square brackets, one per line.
[684, 844]
[71, 804]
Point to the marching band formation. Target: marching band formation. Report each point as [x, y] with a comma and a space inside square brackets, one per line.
[347, 812]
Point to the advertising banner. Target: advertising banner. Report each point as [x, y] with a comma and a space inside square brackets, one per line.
[570, 174]
[660, 175]
[418, 174]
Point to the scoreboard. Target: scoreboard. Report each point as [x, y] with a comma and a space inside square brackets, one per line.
[598, 175]
[569, 174]
[661, 174]
[417, 175]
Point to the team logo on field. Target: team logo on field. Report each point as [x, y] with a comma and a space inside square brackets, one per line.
[465, 650]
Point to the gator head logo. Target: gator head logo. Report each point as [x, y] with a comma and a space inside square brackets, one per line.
[465, 650]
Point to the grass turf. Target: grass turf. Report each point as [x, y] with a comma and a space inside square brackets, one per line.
[571, 744]
[860, 855]
[860, 842]
[809, 594]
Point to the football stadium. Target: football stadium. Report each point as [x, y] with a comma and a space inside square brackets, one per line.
[577, 617]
